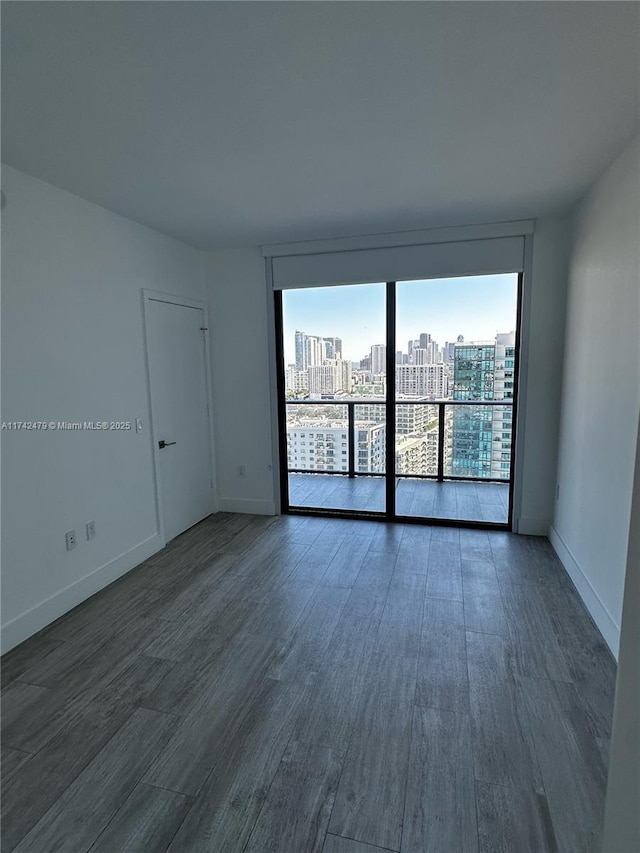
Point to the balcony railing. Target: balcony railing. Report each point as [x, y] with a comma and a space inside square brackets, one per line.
[443, 440]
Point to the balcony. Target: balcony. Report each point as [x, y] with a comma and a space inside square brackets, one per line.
[452, 458]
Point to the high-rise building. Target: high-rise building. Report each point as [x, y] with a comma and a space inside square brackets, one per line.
[296, 381]
[330, 378]
[333, 347]
[314, 447]
[315, 351]
[422, 380]
[378, 359]
[311, 350]
[301, 350]
[482, 435]
[424, 339]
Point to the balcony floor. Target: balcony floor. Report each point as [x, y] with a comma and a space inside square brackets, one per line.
[455, 500]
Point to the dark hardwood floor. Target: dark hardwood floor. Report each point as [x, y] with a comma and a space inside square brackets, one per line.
[292, 684]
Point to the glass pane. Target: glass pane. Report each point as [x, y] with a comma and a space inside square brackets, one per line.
[459, 359]
[335, 385]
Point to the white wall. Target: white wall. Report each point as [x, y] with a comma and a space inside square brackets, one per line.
[72, 275]
[240, 375]
[239, 340]
[622, 817]
[601, 392]
[544, 374]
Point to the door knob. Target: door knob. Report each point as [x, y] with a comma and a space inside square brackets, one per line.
[163, 444]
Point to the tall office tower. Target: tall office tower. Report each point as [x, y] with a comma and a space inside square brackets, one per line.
[365, 363]
[410, 348]
[420, 355]
[481, 435]
[328, 347]
[399, 356]
[424, 340]
[301, 350]
[378, 359]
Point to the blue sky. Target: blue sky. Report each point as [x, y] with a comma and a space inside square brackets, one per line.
[476, 307]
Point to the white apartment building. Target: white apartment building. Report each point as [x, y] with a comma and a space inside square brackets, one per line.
[330, 378]
[296, 381]
[326, 448]
[422, 380]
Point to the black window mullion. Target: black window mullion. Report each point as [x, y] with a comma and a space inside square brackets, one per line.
[390, 408]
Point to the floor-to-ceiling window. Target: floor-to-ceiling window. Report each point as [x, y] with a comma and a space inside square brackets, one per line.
[425, 367]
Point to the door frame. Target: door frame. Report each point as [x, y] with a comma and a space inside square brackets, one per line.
[277, 365]
[185, 302]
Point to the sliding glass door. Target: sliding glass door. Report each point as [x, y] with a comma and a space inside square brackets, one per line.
[456, 346]
[397, 400]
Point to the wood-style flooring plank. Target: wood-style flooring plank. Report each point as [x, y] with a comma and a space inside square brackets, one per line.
[41, 781]
[234, 686]
[369, 804]
[80, 814]
[479, 576]
[514, 818]
[440, 810]
[337, 844]
[333, 700]
[26, 655]
[43, 712]
[401, 622]
[297, 808]
[590, 663]
[502, 741]
[573, 772]
[300, 656]
[484, 613]
[443, 680]
[224, 812]
[444, 579]
[345, 566]
[146, 821]
[12, 760]
[537, 652]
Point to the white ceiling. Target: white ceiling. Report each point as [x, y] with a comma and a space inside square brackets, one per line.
[241, 123]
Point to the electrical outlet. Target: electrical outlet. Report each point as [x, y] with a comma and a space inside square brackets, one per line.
[70, 539]
[91, 530]
[242, 471]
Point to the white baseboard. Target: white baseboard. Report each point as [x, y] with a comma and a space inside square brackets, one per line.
[533, 526]
[246, 506]
[57, 605]
[607, 625]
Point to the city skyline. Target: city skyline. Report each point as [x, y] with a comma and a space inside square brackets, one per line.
[476, 307]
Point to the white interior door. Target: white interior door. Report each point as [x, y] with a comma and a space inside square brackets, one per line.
[179, 404]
